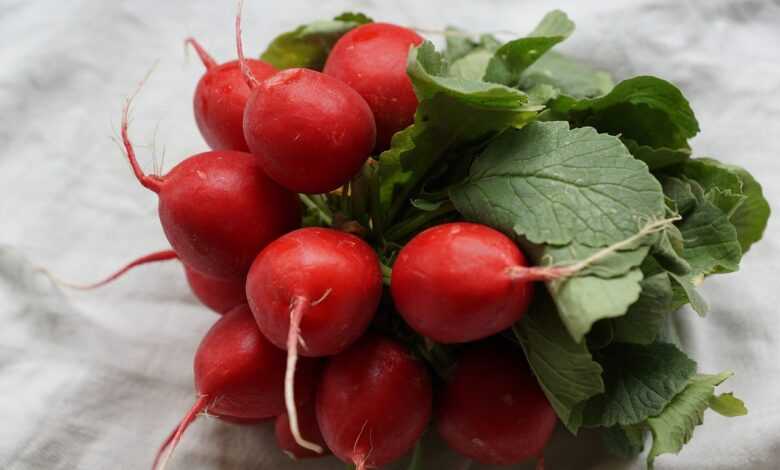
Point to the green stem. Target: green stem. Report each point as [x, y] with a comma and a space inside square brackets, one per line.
[360, 193]
[372, 181]
[414, 223]
[345, 198]
[323, 212]
[387, 273]
[417, 456]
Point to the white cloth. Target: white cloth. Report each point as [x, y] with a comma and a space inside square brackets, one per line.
[96, 380]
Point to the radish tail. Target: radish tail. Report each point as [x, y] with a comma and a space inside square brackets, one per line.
[196, 409]
[164, 446]
[207, 60]
[563, 271]
[249, 77]
[539, 463]
[155, 257]
[360, 462]
[150, 182]
[297, 308]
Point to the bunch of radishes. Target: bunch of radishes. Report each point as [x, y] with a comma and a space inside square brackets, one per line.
[298, 339]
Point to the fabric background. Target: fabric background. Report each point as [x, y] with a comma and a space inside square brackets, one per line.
[96, 380]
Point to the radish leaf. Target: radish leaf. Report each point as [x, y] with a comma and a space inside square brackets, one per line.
[639, 380]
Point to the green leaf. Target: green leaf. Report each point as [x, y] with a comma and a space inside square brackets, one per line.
[645, 109]
[674, 426]
[555, 185]
[728, 405]
[429, 74]
[514, 57]
[680, 193]
[452, 113]
[308, 46]
[711, 174]
[657, 158]
[566, 371]
[645, 318]
[568, 76]
[458, 44]
[624, 441]
[710, 239]
[733, 190]
[669, 251]
[685, 292]
[751, 217]
[471, 66]
[354, 17]
[582, 301]
[542, 93]
[639, 380]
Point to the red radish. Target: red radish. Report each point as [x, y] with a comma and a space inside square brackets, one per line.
[310, 430]
[220, 98]
[492, 409]
[372, 59]
[373, 402]
[218, 209]
[310, 132]
[453, 282]
[220, 295]
[239, 374]
[318, 287]
[461, 282]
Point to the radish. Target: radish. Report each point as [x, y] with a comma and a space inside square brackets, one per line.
[220, 295]
[239, 374]
[453, 282]
[310, 132]
[218, 209]
[220, 98]
[373, 402]
[318, 287]
[310, 430]
[461, 282]
[492, 409]
[372, 59]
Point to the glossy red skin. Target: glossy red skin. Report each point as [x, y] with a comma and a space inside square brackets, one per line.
[310, 262]
[243, 421]
[492, 409]
[242, 373]
[372, 60]
[218, 210]
[310, 430]
[450, 283]
[220, 295]
[310, 131]
[219, 102]
[373, 402]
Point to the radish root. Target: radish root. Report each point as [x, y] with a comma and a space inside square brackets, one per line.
[151, 182]
[171, 443]
[556, 272]
[207, 60]
[539, 463]
[249, 77]
[155, 257]
[297, 308]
